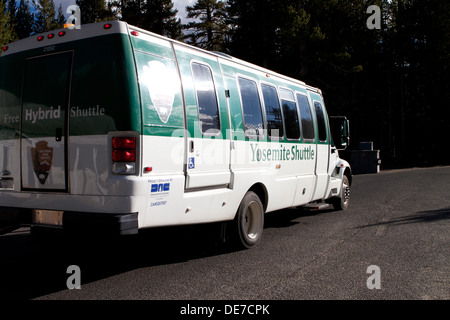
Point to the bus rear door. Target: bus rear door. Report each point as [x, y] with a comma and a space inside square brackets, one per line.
[45, 99]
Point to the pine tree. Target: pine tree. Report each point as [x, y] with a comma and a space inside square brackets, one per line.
[255, 27]
[160, 17]
[95, 11]
[24, 20]
[11, 8]
[60, 19]
[132, 11]
[45, 16]
[210, 29]
[7, 33]
[418, 49]
[157, 16]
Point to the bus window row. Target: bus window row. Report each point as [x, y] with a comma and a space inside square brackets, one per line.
[286, 115]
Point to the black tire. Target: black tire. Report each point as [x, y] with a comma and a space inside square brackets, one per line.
[342, 201]
[248, 225]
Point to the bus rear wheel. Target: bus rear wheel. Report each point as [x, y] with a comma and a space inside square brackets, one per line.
[248, 224]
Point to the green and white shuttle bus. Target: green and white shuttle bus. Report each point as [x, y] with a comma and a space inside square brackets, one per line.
[110, 128]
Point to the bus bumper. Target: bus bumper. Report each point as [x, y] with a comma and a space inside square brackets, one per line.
[70, 222]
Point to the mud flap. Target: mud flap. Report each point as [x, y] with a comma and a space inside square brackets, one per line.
[7, 228]
[9, 220]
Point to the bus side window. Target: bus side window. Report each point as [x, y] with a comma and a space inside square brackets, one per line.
[306, 117]
[160, 90]
[251, 107]
[273, 111]
[321, 121]
[208, 107]
[290, 113]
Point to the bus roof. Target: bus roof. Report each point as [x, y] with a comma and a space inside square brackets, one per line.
[63, 35]
[51, 38]
[227, 57]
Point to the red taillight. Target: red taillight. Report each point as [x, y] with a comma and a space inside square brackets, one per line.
[121, 155]
[40, 38]
[124, 143]
[134, 33]
[124, 149]
[107, 26]
[124, 155]
[5, 48]
[51, 36]
[61, 33]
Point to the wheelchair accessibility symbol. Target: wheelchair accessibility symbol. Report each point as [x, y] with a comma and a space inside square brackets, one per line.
[191, 163]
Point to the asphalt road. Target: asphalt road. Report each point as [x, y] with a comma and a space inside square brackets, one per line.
[398, 221]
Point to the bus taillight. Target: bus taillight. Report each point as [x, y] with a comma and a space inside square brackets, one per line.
[124, 143]
[124, 155]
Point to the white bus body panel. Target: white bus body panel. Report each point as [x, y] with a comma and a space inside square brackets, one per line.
[179, 179]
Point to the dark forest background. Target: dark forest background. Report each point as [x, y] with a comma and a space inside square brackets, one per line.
[392, 82]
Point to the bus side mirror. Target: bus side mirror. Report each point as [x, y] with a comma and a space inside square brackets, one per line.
[340, 131]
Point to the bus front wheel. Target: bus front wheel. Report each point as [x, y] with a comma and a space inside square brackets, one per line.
[341, 202]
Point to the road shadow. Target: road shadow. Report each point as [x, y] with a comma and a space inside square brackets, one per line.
[33, 266]
[426, 216]
[289, 217]
[419, 217]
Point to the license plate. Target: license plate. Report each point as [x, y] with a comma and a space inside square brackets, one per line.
[47, 217]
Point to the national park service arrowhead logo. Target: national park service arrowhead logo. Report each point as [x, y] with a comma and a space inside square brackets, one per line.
[42, 156]
[162, 84]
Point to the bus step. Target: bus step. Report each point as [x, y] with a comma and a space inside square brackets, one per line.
[316, 206]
